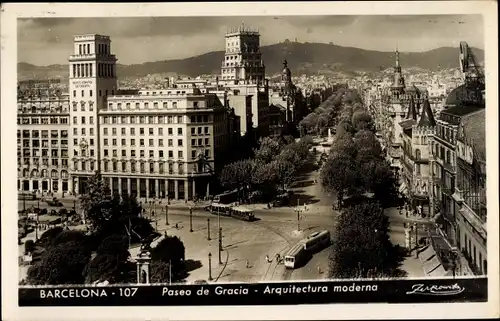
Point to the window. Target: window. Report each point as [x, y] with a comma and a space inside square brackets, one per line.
[105, 131]
[141, 131]
[170, 154]
[179, 131]
[83, 93]
[206, 131]
[151, 167]
[114, 119]
[132, 119]
[418, 154]
[195, 104]
[417, 169]
[115, 153]
[174, 104]
[90, 93]
[160, 131]
[113, 130]
[123, 131]
[83, 120]
[170, 119]
[199, 130]
[114, 141]
[151, 144]
[207, 141]
[161, 120]
[179, 142]
[105, 142]
[132, 142]
[151, 120]
[193, 131]
[142, 153]
[91, 120]
[83, 131]
[170, 142]
[160, 154]
[160, 142]
[75, 120]
[141, 142]
[106, 153]
[179, 120]
[132, 131]
[124, 142]
[193, 142]
[180, 154]
[146, 105]
[151, 131]
[75, 131]
[132, 153]
[151, 153]
[170, 131]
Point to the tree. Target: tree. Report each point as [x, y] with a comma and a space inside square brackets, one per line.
[60, 264]
[116, 245]
[47, 238]
[269, 148]
[68, 236]
[160, 272]
[362, 247]
[237, 175]
[29, 246]
[361, 120]
[171, 250]
[95, 202]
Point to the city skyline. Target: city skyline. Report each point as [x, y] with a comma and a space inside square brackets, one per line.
[44, 41]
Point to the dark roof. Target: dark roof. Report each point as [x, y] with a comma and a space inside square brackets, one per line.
[412, 112]
[408, 131]
[461, 110]
[475, 130]
[427, 117]
[407, 123]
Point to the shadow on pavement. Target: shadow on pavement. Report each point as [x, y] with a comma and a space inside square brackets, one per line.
[192, 265]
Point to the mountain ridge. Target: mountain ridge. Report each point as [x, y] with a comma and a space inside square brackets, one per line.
[308, 58]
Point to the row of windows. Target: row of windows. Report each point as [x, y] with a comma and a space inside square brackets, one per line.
[155, 119]
[170, 142]
[45, 133]
[151, 154]
[45, 143]
[42, 120]
[83, 131]
[142, 167]
[75, 120]
[44, 173]
[86, 70]
[146, 105]
[45, 153]
[84, 49]
[45, 162]
[91, 103]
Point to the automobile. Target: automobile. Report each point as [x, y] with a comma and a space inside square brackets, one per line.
[54, 202]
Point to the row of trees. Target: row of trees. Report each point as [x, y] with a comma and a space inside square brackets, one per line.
[325, 116]
[358, 174]
[275, 163]
[64, 256]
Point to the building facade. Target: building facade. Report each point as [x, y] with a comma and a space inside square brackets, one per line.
[43, 117]
[242, 57]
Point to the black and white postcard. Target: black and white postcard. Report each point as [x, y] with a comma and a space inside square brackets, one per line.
[249, 160]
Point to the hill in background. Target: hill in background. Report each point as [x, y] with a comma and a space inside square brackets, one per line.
[303, 58]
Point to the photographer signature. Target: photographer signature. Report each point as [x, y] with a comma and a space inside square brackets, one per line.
[436, 289]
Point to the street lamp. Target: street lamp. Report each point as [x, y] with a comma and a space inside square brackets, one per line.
[166, 214]
[190, 219]
[220, 245]
[210, 266]
[208, 229]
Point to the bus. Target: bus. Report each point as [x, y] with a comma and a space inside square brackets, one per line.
[296, 256]
[317, 241]
[242, 213]
[227, 197]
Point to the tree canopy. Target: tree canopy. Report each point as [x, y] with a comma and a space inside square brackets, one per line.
[171, 250]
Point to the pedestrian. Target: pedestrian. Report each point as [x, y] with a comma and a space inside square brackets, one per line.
[319, 269]
[267, 258]
[247, 264]
[177, 226]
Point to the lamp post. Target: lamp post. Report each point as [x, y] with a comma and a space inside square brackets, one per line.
[416, 240]
[210, 266]
[166, 214]
[220, 245]
[190, 219]
[208, 229]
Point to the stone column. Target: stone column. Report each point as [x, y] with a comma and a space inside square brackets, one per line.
[111, 185]
[194, 188]
[129, 186]
[176, 184]
[157, 188]
[186, 189]
[76, 181]
[120, 186]
[147, 188]
[166, 187]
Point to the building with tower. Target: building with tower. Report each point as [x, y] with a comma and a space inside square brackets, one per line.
[92, 78]
[417, 134]
[242, 58]
[395, 102]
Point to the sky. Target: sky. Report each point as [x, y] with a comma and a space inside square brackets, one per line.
[46, 41]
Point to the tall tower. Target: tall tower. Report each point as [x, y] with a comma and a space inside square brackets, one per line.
[399, 82]
[243, 59]
[92, 77]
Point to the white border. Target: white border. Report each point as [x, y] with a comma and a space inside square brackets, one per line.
[11, 11]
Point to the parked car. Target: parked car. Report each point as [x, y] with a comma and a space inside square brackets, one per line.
[54, 202]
